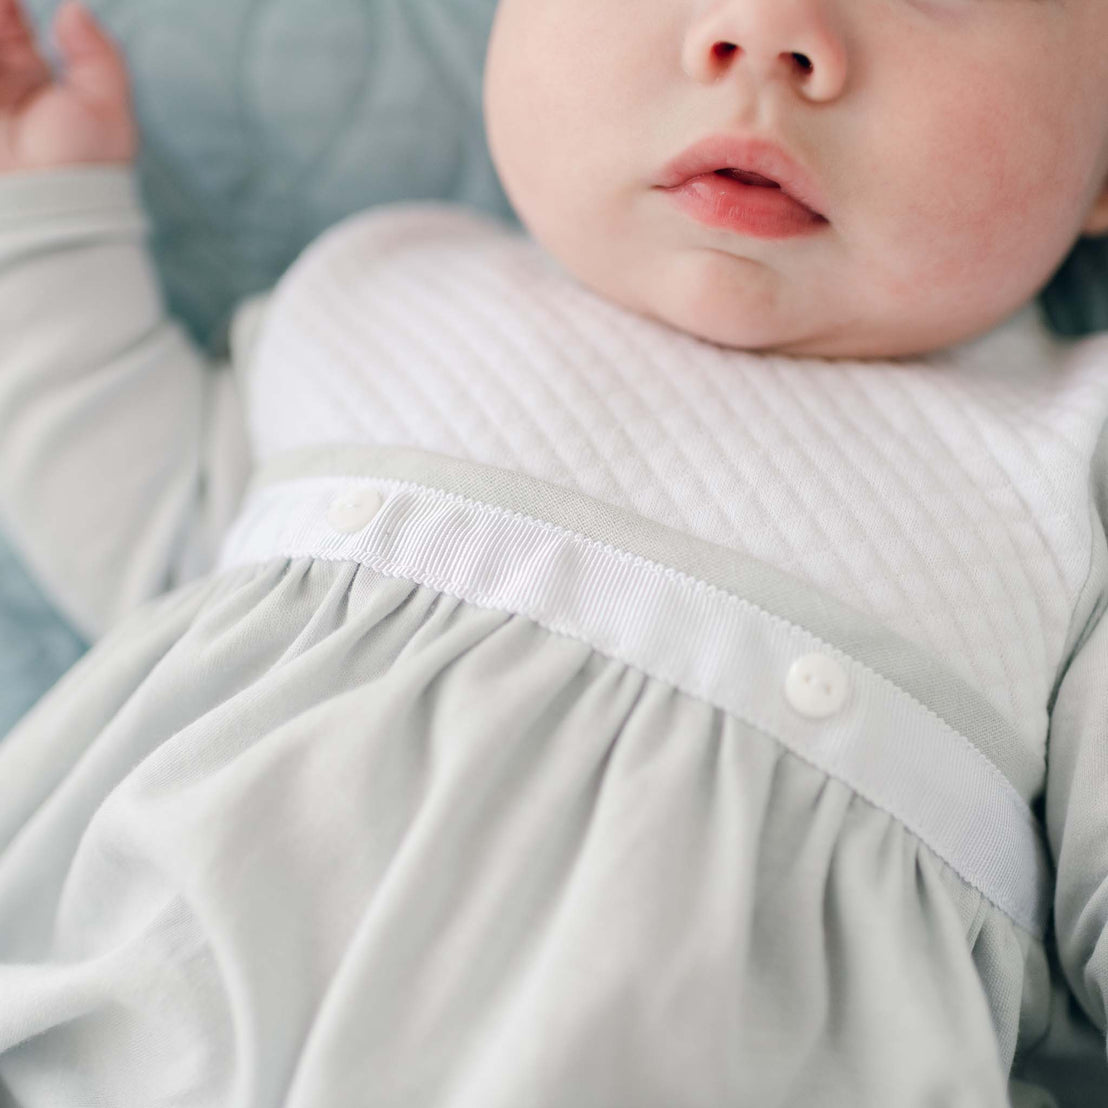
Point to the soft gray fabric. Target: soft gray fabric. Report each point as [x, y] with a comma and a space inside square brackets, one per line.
[522, 873]
[1077, 808]
[108, 412]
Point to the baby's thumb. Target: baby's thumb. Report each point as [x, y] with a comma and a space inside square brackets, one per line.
[94, 66]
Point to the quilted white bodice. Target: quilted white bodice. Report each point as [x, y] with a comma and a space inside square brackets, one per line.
[947, 497]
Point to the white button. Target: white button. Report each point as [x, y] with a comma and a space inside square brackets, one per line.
[816, 686]
[352, 510]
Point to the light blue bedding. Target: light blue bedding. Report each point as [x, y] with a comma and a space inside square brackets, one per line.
[265, 121]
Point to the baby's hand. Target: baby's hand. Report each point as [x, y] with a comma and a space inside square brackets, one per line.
[85, 117]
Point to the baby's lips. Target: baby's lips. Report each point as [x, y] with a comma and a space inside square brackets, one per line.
[746, 154]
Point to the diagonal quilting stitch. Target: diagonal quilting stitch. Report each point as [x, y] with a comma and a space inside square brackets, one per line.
[972, 657]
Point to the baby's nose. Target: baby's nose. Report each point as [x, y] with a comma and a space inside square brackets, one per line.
[789, 40]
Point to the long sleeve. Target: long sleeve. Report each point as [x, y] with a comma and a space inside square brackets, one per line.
[1077, 781]
[123, 452]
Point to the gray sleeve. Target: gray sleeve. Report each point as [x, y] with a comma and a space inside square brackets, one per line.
[1077, 781]
[123, 453]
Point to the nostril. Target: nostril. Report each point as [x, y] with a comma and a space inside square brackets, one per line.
[803, 62]
[724, 50]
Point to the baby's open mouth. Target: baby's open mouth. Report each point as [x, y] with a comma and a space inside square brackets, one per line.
[750, 167]
[748, 178]
[746, 202]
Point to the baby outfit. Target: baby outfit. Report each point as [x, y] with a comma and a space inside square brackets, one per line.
[502, 699]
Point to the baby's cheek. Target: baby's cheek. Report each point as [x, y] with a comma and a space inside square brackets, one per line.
[991, 212]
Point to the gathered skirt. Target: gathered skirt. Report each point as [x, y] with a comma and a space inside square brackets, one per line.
[305, 834]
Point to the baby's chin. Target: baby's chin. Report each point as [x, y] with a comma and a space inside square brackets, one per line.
[753, 336]
[775, 332]
[754, 316]
[840, 341]
[756, 330]
[752, 309]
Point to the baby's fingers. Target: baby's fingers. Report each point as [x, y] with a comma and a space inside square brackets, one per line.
[94, 65]
[22, 67]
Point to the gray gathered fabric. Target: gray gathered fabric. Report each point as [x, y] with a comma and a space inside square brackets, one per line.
[350, 841]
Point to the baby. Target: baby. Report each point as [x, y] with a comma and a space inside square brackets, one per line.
[655, 662]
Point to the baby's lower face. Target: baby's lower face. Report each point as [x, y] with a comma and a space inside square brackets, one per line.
[848, 178]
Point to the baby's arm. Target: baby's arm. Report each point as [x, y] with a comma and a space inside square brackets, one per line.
[1077, 784]
[122, 454]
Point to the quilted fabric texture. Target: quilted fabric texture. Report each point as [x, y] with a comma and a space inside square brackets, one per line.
[264, 121]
